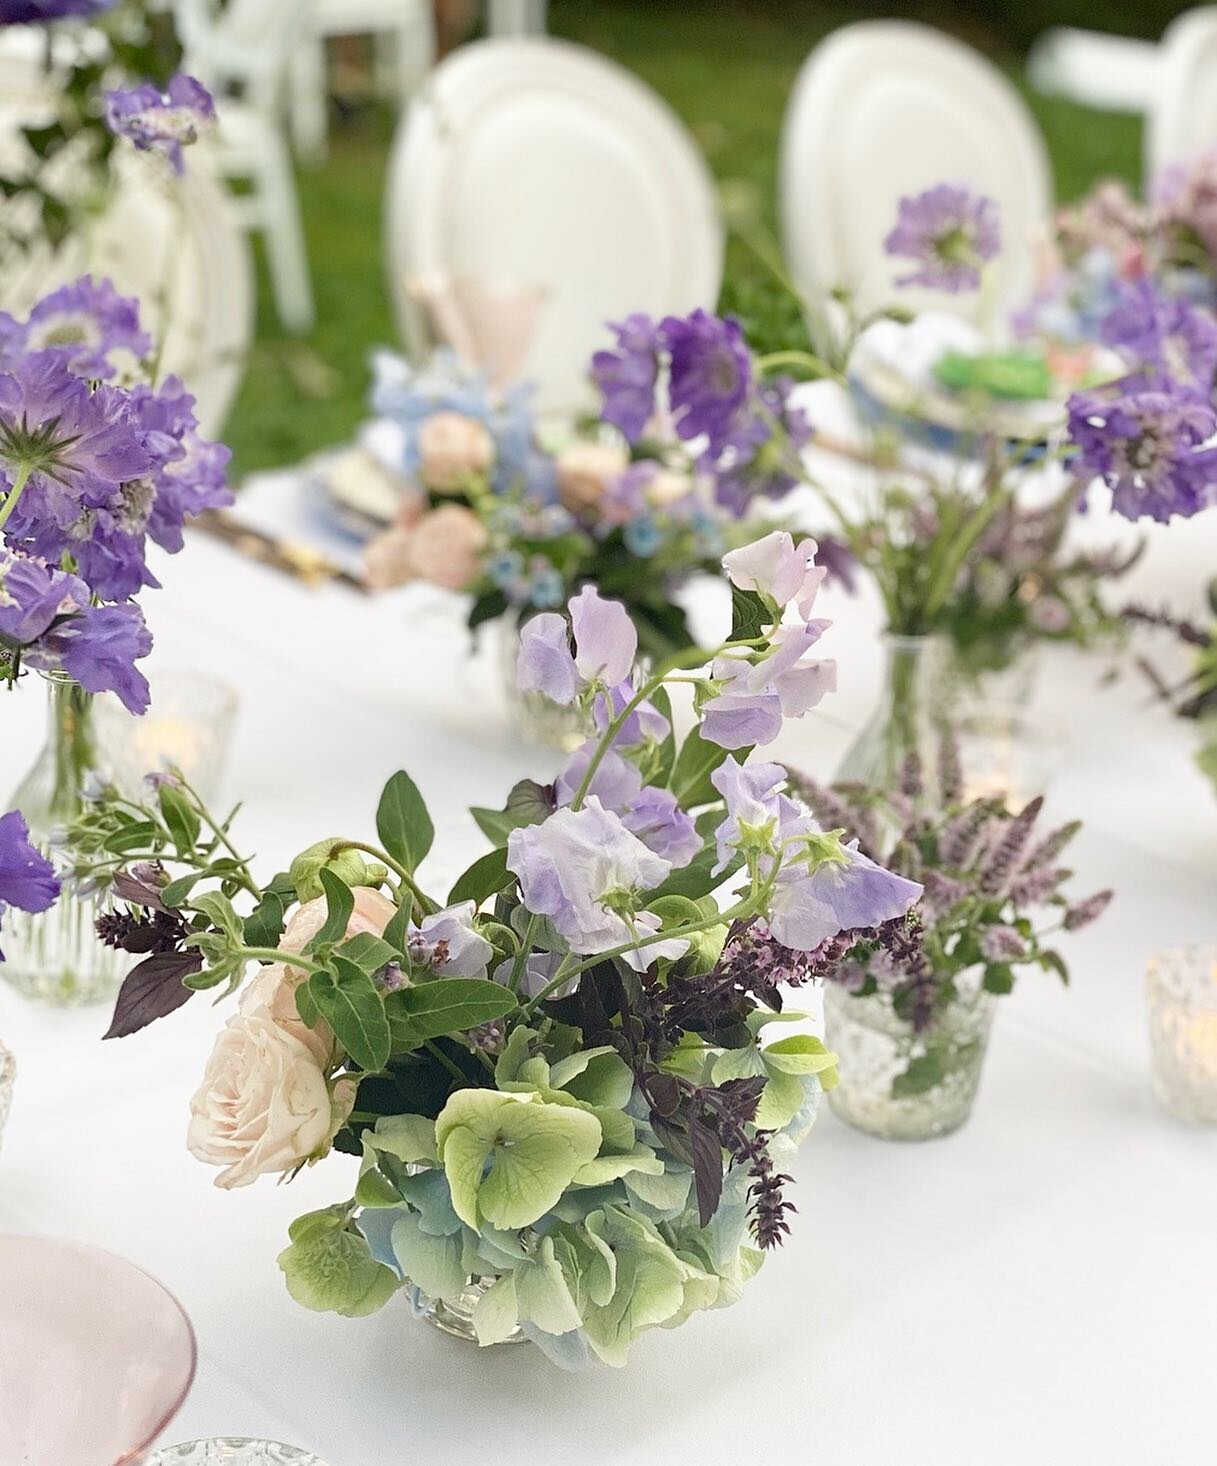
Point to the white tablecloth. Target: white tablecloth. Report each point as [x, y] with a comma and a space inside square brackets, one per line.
[1039, 1287]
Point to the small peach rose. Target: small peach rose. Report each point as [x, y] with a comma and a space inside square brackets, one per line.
[386, 559]
[447, 547]
[453, 449]
[586, 472]
[265, 1106]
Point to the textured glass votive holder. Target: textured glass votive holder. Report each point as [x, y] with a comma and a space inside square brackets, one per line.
[1181, 993]
[188, 727]
[8, 1073]
[233, 1451]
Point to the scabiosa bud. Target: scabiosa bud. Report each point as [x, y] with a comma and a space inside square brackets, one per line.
[1087, 911]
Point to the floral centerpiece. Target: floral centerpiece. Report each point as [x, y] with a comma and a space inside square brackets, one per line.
[909, 1004]
[690, 436]
[570, 1099]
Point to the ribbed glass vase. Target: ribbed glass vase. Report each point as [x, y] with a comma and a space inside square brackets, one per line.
[56, 957]
[907, 719]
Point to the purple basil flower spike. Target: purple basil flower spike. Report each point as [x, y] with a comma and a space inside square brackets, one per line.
[27, 878]
[161, 122]
[626, 376]
[1149, 446]
[710, 376]
[949, 231]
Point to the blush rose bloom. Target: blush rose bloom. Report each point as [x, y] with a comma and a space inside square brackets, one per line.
[586, 472]
[265, 1106]
[447, 547]
[452, 449]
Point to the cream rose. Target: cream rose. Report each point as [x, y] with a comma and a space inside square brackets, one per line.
[586, 472]
[265, 1106]
[447, 547]
[452, 449]
[273, 990]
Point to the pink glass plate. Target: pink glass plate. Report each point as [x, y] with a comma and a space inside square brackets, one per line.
[95, 1356]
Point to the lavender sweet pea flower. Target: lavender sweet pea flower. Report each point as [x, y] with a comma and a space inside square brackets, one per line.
[448, 945]
[754, 699]
[82, 324]
[615, 782]
[544, 663]
[627, 375]
[539, 971]
[1163, 336]
[813, 902]
[1153, 448]
[775, 567]
[950, 231]
[655, 816]
[737, 716]
[646, 724]
[606, 642]
[164, 123]
[587, 873]
[27, 878]
[710, 376]
[751, 793]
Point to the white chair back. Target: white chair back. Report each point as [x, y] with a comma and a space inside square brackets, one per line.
[246, 42]
[1182, 122]
[537, 163]
[883, 109]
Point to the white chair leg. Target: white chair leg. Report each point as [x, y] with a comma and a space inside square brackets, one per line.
[287, 253]
[309, 99]
[516, 17]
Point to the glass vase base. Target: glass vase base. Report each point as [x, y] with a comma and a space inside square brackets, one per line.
[56, 958]
[231, 1451]
[454, 1316]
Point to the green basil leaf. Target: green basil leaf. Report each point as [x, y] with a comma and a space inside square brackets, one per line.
[696, 761]
[352, 1005]
[367, 951]
[486, 877]
[181, 819]
[339, 904]
[264, 924]
[448, 1005]
[403, 823]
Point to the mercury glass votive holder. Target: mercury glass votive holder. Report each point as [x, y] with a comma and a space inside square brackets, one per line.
[8, 1073]
[1181, 993]
[233, 1451]
[188, 727]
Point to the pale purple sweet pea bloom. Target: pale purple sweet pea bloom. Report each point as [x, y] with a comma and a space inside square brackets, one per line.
[573, 863]
[811, 905]
[606, 642]
[539, 971]
[737, 716]
[755, 699]
[775, 567]
[164, 123]
[615, 783]
[950, 231]
[544, 663]
[447, 944]
[27, 878]
[751, 793]
[650, 813]
[627, 375]
[646, 724]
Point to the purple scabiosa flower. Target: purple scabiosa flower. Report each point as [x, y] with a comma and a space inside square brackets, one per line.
[761, 459]
[709, 377]
[626, 376]
[189, 474]
[82, 324]
[1163, 336]
[99, 650]
[1149, 446]
[161, 122]
[39, 12]
[27, 878]
[77, 447]
[447, 944]
[588, 874]
[950, 232]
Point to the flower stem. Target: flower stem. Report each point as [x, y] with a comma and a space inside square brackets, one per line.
[424, 902]
[10, 501]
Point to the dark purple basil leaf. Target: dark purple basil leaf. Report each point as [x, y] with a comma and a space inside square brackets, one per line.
[707, 1169]
[139, 893]
[662, 1092]
[152, 990]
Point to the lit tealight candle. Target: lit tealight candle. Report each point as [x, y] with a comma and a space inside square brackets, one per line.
[1181, 987]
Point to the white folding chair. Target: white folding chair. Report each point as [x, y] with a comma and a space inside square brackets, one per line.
[1114, 73]
[403, 33]
[1182, 122]
[243, 52]
[516, 17]
[540, 164]
[883, 109]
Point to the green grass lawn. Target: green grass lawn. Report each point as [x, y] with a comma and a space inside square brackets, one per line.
[727, 75]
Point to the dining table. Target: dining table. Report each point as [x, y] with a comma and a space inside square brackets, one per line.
[1038, 1287]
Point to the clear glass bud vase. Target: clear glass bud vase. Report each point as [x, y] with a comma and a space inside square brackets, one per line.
[536, 718]
[899, 1083]
[56, 956]
[908, 719]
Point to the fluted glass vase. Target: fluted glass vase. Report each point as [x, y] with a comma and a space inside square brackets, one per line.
[56, 956]
[908, 718]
